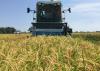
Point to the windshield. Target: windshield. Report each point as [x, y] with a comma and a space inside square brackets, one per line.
[49, 13]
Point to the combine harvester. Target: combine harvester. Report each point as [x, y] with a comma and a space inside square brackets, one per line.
[49, 20]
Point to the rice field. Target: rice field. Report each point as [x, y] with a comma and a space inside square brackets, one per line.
[21, 52]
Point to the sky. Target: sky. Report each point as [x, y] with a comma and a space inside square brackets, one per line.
[85, 14]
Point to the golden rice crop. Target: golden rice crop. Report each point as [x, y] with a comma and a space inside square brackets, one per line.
[49, 53]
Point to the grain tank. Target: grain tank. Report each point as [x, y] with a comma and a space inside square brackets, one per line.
[49, 20]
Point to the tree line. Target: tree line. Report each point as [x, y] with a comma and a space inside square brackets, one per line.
[7, 30]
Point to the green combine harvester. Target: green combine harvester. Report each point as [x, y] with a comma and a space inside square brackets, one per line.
[49, 20]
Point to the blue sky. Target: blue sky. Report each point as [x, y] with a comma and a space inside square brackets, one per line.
[85, 14]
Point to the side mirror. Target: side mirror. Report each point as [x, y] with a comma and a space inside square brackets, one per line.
[69, 10]
[28, 10]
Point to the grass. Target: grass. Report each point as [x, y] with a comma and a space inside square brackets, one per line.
[81, 52]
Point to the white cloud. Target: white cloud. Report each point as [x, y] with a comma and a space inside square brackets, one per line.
[87, 7]
[85, 16]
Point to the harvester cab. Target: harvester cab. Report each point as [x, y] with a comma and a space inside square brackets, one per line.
[49, 19]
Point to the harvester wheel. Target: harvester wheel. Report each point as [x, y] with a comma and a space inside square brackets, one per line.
[70, 31]
[65, 30]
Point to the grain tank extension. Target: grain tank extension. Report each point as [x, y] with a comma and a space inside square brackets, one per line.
[49, 20]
